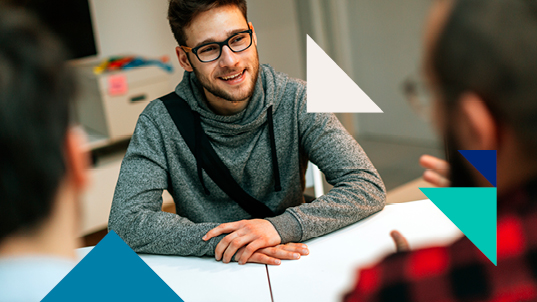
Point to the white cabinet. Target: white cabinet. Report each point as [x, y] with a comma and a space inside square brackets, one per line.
[97, 200]
[109, 121]
[114, 115]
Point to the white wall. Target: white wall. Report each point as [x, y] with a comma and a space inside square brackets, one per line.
[279, 44]
[386, 39]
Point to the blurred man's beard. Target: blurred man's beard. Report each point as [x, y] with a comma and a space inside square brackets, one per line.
[252, 73]
[460, 174]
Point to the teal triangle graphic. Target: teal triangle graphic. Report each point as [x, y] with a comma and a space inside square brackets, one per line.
[473, 211]
[112, 271]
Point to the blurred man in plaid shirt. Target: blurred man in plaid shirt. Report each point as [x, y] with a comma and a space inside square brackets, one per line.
[480, 71]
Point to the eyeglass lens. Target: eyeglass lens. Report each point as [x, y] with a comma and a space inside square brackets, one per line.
[236, 43]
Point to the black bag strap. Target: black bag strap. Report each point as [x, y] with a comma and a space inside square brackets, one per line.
[187, 121]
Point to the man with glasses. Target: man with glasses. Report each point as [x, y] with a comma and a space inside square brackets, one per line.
[255, 119]
[480, 71]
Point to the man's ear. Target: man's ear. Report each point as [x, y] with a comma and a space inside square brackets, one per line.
[183, 59]
[253, 32]
[478, 129]
[76, 158]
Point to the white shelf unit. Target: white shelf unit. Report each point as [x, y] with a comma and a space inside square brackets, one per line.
[110, 120]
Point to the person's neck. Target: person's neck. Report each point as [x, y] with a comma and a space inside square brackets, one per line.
[56, 236]
[224, 107]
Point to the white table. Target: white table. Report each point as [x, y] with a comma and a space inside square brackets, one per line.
[206, 280]
[324, 275]
[330, 268]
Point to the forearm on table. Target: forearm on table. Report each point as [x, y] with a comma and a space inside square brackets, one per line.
[358, 196]
[163, 233]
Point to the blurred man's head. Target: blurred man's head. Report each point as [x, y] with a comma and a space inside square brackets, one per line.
[229, 74]
[41, 161]
[481, 63]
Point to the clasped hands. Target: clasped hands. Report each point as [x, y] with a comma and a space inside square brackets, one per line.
[254, 241]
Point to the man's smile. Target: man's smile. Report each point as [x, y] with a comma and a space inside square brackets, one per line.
[234, 78]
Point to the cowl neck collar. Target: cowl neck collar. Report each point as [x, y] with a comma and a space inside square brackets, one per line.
[266, 94]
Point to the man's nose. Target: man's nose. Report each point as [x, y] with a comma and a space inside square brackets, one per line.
[228, 57]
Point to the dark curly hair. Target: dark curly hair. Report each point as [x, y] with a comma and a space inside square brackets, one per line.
[182, 12]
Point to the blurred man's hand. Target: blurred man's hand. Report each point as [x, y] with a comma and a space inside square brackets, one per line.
[437, 170]
[401, 244]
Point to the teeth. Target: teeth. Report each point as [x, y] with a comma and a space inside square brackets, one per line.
[232, 77]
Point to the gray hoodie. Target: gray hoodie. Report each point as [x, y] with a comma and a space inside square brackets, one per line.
[158, 159]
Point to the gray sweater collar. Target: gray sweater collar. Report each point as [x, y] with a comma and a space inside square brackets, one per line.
[267, 93]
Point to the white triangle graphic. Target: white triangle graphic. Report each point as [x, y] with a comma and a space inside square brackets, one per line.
[330, 89]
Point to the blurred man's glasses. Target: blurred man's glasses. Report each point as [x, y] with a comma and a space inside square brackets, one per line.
[418, 95]
[212, 51]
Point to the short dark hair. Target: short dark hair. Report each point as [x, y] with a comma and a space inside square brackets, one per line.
[35, 89]
[182, 12]
[489, 47]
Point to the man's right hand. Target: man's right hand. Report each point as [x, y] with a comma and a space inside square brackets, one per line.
[273, 255]
[437, 170]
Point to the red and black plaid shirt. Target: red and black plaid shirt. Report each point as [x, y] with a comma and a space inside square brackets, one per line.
[460, 272]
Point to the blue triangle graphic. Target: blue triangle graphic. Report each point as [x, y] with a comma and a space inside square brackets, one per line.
[112, 271]
[473, 211]
[484, 161]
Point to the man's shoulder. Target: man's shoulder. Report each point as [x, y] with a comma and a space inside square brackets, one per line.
[31, 278]
[155, 110]
[297, 83]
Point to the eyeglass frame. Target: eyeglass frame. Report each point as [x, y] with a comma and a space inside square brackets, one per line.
[194, 50]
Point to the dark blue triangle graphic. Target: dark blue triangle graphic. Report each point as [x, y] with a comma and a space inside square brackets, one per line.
[112, 271]
[484, 161]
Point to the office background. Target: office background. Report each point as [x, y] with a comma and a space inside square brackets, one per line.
[377, 43]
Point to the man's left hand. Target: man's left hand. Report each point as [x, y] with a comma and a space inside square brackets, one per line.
[254, 234]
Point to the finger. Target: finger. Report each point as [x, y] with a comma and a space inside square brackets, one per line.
[436, 179]
[264, 259]
[250, 250]
[239, 253]
[300, 248]
[224, 228]
[401, 244]
[299, 245]
[278, 252]
[439, 165]
[234, 246]
[222, 246]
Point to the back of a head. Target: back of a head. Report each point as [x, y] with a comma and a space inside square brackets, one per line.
[35, 89]
[489, 47]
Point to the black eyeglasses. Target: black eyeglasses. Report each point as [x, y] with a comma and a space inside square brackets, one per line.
[212, 51]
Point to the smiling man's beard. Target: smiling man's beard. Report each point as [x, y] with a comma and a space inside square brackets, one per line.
[221, 93]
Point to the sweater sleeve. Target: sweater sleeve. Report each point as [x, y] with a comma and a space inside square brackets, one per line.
[136, 214]
[358, 189]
